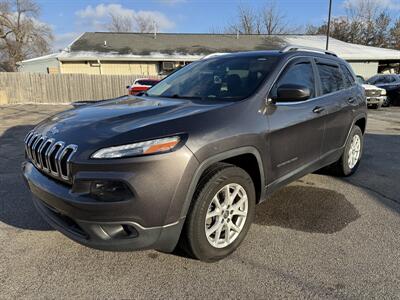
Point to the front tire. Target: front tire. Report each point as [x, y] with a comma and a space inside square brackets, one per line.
[221, 213]
[350, 159]
[387, 102]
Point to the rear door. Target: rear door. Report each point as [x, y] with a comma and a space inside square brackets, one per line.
[296, 128]
[338, 98]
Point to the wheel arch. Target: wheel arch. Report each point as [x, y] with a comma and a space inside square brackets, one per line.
[361, 122]
[230, 156]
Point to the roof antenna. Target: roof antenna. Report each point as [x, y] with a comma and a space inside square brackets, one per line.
[155, 29]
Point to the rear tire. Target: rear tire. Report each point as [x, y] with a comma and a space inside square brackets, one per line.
[221, 213]
[350, 159]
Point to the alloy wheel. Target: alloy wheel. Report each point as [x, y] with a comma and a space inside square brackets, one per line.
[226, 215]
[354, 151]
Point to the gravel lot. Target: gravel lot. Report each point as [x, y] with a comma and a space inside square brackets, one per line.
[320, 237]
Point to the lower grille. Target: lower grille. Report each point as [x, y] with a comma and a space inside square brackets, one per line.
[49, 155]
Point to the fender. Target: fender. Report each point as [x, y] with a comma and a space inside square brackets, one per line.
[216, 158]
[356, 118]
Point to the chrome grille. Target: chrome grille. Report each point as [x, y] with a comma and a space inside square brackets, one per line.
[51, 156]
[373, 93]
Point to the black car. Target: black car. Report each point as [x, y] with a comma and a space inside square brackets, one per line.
[389, 82]
[186, 162]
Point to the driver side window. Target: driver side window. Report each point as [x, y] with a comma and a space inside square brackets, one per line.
[300, 73]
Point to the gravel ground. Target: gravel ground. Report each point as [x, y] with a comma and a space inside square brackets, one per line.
[319, 237]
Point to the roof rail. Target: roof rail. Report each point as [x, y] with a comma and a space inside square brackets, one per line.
[214, 55]
[303, 48]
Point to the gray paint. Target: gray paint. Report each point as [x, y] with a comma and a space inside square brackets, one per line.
[163, 184]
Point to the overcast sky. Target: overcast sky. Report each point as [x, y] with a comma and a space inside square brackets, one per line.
[69, 18]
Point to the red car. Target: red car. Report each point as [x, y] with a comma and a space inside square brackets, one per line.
[141, 85]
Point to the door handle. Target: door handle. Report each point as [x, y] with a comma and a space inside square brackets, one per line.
[318, 109]
[351, 100]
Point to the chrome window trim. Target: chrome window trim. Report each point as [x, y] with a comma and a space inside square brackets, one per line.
[285, 103]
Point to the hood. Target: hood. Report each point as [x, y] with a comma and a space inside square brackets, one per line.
[121, 120]
[371, 87]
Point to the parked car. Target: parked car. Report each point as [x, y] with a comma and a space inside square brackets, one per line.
[141, 85]
[376, 97]
[186, 163]
[389, 82]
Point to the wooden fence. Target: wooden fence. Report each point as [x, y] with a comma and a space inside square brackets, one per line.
[61, 88]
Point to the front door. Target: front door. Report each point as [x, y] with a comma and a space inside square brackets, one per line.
[296, 128]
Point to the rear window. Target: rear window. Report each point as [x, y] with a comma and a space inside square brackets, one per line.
[331, 78]
[377, 79]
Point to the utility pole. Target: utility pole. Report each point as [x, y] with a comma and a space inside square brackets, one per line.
[329, 24]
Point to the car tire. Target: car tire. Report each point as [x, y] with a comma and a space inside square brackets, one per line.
[351, 157]
[213, 186]
[387, 102]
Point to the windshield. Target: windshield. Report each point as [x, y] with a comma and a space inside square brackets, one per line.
[227, 78]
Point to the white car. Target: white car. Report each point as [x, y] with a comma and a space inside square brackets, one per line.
[375, 95]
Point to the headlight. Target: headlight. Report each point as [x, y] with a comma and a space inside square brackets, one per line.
[141, 148]
[383, 92]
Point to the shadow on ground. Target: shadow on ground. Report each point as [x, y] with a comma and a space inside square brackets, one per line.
[308, 209]
[379, 170]
[16, 207]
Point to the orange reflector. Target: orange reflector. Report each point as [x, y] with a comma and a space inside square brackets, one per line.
[161, 147]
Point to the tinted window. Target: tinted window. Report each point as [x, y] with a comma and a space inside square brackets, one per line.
[360, 79]
[391, 79]
[331, 78]
[146, 82]
[347, 76]
[223, 77]
[381, 79]
[301, 74]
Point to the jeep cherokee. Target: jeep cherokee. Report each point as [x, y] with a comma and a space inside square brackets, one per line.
[186, 162]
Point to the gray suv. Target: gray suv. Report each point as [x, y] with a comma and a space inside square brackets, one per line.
[185, 163]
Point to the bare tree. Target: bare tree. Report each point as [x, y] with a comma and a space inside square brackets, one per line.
[366, 22]
[395, 35]
[145, 23]
[22, 36]
[120, 23]
[382, 30]
[266, 20]
[248, 22]
[273, 20]
[142, 23]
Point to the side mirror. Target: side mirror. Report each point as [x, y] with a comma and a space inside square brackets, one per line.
[292, 93]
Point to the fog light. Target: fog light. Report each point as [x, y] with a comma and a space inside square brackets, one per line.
[110, 191]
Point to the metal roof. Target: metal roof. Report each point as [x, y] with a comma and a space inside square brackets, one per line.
[190, 47]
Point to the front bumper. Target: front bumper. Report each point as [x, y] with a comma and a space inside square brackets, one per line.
[144, 222]
[376, 100]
